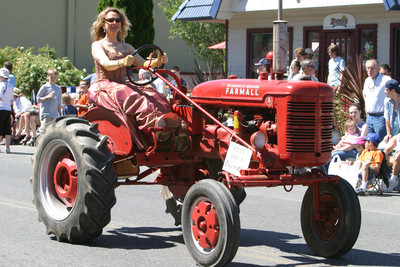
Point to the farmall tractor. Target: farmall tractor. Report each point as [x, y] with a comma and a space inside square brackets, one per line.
[278, 126]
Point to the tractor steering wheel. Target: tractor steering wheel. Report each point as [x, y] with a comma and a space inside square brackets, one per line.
[153, 56]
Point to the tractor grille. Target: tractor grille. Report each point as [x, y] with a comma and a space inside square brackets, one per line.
[302, 126]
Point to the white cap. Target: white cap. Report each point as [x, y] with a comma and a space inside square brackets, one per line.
[309, 51]
[4, 73]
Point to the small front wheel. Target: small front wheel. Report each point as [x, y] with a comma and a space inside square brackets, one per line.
[211, 223]
[334, 230]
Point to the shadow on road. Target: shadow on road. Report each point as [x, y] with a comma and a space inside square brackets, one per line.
[144, 238]
[139, 238]
[282, 241]
[21, 153]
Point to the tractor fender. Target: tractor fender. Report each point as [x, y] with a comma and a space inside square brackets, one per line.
[120, 139]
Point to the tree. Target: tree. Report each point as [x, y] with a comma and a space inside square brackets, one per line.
[198, 35]
[140, 14]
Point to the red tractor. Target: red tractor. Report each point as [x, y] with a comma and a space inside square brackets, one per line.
[271, 128]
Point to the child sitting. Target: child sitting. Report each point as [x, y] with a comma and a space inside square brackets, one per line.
[371, 159]
[68, 108]
[351, 135]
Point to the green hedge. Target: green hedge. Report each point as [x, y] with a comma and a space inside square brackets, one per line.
[30, 67]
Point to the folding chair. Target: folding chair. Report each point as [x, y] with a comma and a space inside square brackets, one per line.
[376, 180]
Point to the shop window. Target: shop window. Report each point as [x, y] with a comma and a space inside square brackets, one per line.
[259, 43]
[366, 36]
[395, 50]
[367, 44]
[312, 38]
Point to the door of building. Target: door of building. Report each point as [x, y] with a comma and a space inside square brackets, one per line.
[345, 40]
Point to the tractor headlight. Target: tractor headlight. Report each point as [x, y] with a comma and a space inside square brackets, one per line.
[258, 139]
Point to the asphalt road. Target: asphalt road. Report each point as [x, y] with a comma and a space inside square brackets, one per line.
[141, 234]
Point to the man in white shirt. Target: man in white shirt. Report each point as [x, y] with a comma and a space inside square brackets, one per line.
[374, 96]
[160, 84]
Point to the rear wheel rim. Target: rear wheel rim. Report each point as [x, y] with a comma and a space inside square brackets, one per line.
[205, 225]
[58, 178]
[66, 179]
[327, 227]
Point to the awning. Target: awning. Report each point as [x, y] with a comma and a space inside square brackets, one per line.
[195, 10]
[392, 4]
[221, 45]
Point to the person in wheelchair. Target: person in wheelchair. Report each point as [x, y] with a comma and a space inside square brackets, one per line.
[143, 105]
[371, 159]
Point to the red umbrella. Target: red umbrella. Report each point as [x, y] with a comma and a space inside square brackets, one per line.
[221, 45]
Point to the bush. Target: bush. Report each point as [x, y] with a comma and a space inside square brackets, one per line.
[30, 69]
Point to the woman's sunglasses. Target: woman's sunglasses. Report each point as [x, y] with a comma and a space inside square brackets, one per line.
[112, 20]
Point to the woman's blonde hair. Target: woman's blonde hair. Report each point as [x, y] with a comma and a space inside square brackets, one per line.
[97, 31]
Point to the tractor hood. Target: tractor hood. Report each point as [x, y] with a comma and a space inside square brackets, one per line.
[242, 92]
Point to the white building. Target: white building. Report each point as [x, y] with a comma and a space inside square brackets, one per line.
[358, 26]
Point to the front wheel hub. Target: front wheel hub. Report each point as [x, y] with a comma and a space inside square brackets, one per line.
[205, 225]
[66, 179]
[328, 225]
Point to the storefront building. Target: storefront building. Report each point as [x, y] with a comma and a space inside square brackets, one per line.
[362, 28]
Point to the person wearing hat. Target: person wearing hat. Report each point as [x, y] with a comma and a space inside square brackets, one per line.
[6, 98]
[335, 65]
[392, 90]
[391, 110]
[309, 55]
[22, 105]
[371, 159]
[261, 66]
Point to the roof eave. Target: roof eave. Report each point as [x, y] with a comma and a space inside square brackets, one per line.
[211, 17]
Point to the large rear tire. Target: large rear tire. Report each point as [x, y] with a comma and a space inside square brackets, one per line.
[73, 180]
[211, 223]
[335, 233]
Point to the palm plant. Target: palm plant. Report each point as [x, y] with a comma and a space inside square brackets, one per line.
[353, 78]
[351, 90]
[208, 74]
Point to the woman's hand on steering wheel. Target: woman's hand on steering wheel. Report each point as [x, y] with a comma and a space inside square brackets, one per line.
[126, 61]
[152, 62]
[159, 61]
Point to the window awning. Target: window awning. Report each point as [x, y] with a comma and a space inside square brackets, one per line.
[392, 4]
[221, 45]
[195, 10]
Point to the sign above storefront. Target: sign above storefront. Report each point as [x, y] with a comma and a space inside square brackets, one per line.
[339, 21]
